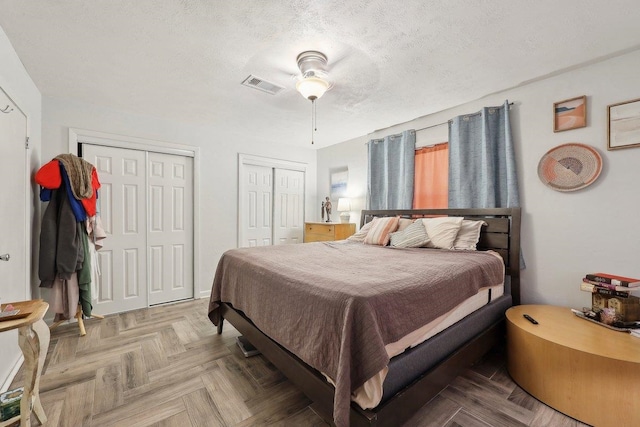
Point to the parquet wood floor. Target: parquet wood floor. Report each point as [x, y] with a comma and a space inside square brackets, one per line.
[166, 366]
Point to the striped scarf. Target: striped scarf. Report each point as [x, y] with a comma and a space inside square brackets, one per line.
[79, 172]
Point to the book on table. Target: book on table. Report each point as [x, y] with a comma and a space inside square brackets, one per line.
[622, 291]
[613, 279]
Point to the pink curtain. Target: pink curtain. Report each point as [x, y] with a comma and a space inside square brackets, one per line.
[431, 182]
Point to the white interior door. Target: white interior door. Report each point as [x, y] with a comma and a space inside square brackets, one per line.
[14, 244]
[122, 205]
[256, 187]
[170, 227]
[288, 210]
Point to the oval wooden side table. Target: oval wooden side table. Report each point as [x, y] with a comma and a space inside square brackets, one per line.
[580, 368]
[33, 338]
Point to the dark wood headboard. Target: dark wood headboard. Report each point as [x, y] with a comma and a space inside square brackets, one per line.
[502, 233]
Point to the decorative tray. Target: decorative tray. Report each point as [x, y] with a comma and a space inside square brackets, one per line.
[582, 316]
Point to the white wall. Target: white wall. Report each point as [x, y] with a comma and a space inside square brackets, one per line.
[218, 165]
[15, 81]
[564, 235]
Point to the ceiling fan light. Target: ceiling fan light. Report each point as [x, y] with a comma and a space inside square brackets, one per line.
[312, 87]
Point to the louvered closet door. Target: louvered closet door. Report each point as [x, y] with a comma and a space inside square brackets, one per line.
[170, 227]
[122, 204]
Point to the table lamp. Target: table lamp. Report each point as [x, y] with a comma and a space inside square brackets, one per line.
[344, 206]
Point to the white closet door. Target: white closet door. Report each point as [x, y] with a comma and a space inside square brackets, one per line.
[14, 284]
[122, 203]
[288, 210]
[13, 177]
[170, 227]
[256, 187]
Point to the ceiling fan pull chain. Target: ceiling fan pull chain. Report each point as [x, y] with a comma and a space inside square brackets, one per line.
[312, 119]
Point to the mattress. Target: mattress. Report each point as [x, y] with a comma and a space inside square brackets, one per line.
[407, 367]
[370, 394]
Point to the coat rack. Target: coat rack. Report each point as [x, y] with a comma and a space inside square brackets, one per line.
[69, 181]
[78, 316]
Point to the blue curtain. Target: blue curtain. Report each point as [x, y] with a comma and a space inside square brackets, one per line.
[391, 170]
[482, 166]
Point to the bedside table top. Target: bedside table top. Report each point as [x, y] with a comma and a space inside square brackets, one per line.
[560, 326]
[582, 369]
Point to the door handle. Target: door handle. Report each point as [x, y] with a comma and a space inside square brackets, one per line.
[5, 257]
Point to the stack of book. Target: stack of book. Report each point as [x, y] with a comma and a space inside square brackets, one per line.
[612, 291]
[595, 282]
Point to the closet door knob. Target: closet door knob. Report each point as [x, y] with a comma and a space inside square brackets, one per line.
[5, 257]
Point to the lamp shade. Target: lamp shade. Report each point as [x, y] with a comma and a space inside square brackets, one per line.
[312, 87]
[343, 204]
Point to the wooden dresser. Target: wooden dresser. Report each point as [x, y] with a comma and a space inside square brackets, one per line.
[327, 231]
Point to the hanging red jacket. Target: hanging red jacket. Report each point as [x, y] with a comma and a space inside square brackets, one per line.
[49, 177]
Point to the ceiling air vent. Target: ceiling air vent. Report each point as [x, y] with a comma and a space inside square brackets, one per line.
[263, 85]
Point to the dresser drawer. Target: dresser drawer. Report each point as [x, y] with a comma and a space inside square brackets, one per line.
[325, 232]
[320, 229]
[318, 238]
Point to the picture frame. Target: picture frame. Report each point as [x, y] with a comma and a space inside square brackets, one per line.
[570, 114]
[623, 125]
[339, 177]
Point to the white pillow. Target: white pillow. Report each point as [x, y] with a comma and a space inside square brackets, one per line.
[413, 236]
[442, 231]
[468, 236]
[404, 223]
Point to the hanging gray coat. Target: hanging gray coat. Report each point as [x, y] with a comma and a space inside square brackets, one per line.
[61, 250]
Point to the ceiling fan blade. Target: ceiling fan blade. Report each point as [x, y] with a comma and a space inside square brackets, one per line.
[335, 61]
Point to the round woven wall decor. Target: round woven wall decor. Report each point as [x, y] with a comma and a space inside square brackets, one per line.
[570, 167]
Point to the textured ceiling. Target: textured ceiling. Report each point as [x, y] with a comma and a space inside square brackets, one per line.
[390, 61]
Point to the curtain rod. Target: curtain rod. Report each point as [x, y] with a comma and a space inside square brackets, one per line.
[449, 121]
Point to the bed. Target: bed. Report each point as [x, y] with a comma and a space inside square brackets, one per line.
[354, 311]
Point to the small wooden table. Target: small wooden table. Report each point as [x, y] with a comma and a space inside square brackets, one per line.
[33, 338]
[582, 369]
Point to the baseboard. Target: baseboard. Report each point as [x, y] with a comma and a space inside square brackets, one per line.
[12, 374]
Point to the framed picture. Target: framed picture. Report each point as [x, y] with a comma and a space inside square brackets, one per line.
[570, 114]
[624, 125]
[339, 178]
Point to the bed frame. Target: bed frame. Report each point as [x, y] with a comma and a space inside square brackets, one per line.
[502, 234]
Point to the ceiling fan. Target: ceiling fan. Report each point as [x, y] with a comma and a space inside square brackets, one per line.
[313, 81]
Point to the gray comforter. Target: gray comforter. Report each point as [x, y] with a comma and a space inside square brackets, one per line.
[337, 304]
